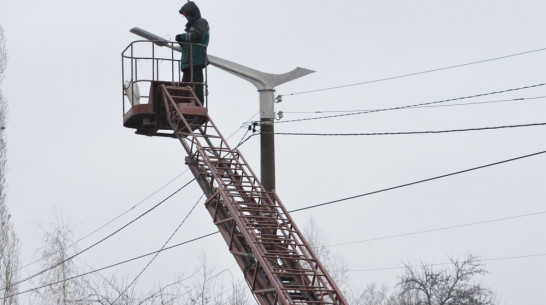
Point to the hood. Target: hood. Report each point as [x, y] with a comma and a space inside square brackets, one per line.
[191, 8]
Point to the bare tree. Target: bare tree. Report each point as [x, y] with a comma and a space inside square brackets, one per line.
[373, 295]
[169, 294]
[417, 286]
[427, 285]
[9, 243]
[106, 291]
[9, 256]
[240, 294]
[208, 288]
[57, 251]
[319, 243]
[203, 290]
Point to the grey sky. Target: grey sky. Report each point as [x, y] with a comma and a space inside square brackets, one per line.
[68, 150]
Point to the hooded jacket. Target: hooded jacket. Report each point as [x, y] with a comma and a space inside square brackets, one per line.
[197, 32]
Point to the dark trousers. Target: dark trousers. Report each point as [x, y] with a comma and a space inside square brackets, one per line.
[197, 81]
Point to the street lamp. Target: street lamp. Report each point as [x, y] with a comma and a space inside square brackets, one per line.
[265, 83]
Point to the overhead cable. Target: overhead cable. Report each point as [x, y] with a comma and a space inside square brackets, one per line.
[414, 105]
[162, 248]
[332, 245]
[403, 132]
[429, 106]
[443, 264]
[413, 74]
[243, 140]
[109, 222]
[418, 182]
[438, 229]
[113, 265]
[295, 210]
[100, 241]
[141, 201]
[243, 125]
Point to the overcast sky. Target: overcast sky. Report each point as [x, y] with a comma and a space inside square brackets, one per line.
[69, 153]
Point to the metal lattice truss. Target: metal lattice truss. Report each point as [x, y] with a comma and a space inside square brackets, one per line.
[277, 262]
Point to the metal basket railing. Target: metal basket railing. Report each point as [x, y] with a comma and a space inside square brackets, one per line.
[146, 61]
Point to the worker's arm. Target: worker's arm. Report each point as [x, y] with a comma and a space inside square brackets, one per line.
[196, 32]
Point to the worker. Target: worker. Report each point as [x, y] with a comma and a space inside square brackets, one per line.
[197, 31]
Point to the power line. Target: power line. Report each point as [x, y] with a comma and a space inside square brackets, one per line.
[403, 132]
[243, 125]
[396, 187]
[333, 245]
[162, 248]
[418, 182]
[317, 134]
[100, 241]
[413, 74]
[161, 289]
[415, 105]
[442, 264]
[109, 222]
[429, 106]
[243, 140]
[438, 229]
[296, 210]
[114, 265]
[140, 202]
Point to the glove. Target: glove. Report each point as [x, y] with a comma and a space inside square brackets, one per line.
[180, 38]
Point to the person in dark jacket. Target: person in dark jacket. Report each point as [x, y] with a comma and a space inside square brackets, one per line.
[194, 57]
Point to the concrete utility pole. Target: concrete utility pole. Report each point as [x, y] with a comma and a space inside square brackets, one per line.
[265, 83]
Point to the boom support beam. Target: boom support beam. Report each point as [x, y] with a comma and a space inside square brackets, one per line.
[277, 262]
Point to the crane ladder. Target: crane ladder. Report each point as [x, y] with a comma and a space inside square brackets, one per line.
[278, 263]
